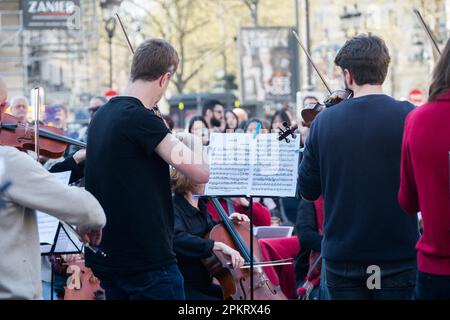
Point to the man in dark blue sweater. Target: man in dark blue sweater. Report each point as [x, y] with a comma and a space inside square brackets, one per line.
[352, 157]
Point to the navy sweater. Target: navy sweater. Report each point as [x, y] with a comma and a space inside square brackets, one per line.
[352, 157]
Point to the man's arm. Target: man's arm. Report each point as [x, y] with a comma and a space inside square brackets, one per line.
[35, 188]
[191, 161]
[152, 134]
[306, 227]
[74, 164]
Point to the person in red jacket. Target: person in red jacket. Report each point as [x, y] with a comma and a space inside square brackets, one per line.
[425, 182]
[261, 215]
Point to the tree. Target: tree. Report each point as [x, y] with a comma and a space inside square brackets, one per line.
[182, 22]
[253, 6]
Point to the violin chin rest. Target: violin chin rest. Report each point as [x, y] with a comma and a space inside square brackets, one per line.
[309, 115]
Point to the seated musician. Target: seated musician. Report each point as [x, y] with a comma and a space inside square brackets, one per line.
[192, 224]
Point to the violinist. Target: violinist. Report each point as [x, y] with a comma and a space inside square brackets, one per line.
[192, 223]
[352, 158]
[33, 188]
[127, 169]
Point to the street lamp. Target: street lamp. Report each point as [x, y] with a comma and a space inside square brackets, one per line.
[110, 27]
[108, 8]
[351, 19]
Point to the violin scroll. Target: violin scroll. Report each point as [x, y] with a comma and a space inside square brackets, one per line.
[286, 132]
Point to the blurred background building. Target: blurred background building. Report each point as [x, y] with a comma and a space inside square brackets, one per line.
[74, 49]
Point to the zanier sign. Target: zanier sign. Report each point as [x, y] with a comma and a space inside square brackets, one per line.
[41, 14]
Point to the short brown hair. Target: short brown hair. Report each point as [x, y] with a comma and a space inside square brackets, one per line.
[366, 57]
[152, 59]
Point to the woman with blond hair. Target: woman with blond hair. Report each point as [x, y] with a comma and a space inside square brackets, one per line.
[192, 223]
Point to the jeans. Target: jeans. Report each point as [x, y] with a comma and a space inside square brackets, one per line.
[163, 284]
[432, 287]
[355, 281]
[323, 293]
[210, 292]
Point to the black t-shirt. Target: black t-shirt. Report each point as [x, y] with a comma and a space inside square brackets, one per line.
[132, 184]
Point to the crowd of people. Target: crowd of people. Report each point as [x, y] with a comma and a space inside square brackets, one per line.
[368, 166]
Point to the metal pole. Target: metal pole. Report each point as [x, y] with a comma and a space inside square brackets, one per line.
[297, 29]
[37, 104]
[308, 42]
[252, 284]
[306, 35]
[110, 63]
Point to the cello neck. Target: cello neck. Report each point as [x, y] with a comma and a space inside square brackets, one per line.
[240, 243]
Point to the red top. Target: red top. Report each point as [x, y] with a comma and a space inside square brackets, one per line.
[425, 181]
[261, 215]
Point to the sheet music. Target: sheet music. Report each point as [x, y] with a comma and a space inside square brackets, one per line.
[47, 226]
[245, 164]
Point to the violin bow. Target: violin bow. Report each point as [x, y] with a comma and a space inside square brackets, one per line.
[95, 250]
[37, 107]
[130, 46]
[311, 61]
[125, 33]
[273, 263]
[427, 30]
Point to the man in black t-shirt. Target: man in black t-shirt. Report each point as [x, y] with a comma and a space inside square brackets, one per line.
[127, 170]
[352, 158]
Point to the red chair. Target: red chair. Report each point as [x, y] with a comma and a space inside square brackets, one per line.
[280, 249]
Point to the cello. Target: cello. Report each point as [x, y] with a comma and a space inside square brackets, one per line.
[236, 283]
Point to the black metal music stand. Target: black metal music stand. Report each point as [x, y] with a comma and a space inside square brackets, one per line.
[53, 251]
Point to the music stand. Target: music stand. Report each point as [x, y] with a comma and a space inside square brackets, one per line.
[73, 248]
[238, 141]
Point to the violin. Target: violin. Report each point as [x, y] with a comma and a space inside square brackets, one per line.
[236, 283]
[310, 112]
[81, 283]
[52, 142]
[286, 132]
